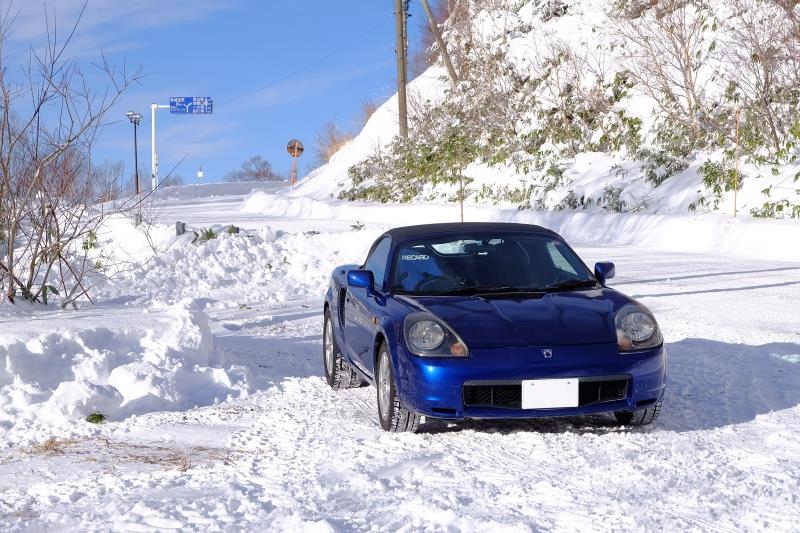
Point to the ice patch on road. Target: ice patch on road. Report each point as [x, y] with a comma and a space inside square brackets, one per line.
[789, 358]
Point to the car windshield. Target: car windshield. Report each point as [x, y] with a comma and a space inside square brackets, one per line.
[487, 263]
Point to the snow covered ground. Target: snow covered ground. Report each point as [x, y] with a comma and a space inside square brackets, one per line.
[207, 362]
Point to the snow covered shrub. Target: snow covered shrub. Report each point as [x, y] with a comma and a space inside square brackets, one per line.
[656, 86]
[719, 177]
[570, 201]
[203, 236]
[632, 9]
[549, 9]
[90, 241]
[385, 176]
[782, 208]
[611, 200]
[520, 196]
[96, 418]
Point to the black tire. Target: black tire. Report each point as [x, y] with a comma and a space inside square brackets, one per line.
[642, 417]
[391, 413]
[338, 373]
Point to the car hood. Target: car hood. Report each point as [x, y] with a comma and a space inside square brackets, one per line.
[552, 319]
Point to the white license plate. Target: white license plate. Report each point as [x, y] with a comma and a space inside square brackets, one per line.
[549, 393]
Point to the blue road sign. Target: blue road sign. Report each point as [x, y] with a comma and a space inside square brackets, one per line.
[191, 105]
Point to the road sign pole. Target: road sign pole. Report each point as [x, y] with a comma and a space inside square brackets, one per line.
[153, 152]
[295, 149]
[153, 160]
[178, 105]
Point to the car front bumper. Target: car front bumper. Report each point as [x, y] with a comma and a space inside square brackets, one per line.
[487, 384]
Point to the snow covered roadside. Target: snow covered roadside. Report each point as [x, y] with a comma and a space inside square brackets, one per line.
[703, 233]
[295, 455]
[234, 428]
[147, 345]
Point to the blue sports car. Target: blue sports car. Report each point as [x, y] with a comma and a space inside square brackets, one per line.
[489, 320]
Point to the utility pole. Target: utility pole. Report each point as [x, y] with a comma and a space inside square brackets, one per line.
[401, 27]
[442, 48]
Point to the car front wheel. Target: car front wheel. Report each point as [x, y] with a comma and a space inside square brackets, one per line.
[392, 415]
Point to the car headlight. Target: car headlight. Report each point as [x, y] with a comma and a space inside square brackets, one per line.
[636, 329]
[427, 336]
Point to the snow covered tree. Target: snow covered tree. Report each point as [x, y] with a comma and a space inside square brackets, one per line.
[50, 118]
[254, 169]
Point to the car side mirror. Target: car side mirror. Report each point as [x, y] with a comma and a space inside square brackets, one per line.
[361, 278]
[604, 271]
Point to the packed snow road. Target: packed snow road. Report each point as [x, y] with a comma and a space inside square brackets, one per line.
[295, 455]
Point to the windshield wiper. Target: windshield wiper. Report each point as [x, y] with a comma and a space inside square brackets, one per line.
[570, 284]
[488, 289]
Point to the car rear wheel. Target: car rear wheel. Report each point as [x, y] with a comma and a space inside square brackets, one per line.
[641, 417]
[391, 413]
[338, 373]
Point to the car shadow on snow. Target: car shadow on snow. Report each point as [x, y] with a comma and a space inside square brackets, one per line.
[710, 385]
[595, 424]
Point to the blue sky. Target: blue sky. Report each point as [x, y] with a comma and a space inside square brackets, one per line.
[275, 69]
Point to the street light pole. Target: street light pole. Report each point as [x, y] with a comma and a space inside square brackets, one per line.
[135, 118]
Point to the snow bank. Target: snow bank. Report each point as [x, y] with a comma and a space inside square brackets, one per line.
[164, 359]
[708, 233]
[250, 267]
[147, 345]
[209, 190]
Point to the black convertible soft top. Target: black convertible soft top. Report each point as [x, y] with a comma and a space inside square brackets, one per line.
[459, 227]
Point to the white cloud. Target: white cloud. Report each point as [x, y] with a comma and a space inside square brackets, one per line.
[300, 87]
[30, 18]
[104, 24]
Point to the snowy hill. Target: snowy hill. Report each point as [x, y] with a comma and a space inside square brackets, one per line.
[561, 105]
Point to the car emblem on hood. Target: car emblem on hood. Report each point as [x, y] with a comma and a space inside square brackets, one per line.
[547, 353]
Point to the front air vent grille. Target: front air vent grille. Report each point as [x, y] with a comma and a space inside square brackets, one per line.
[508, 394]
